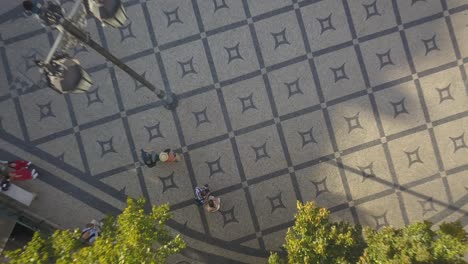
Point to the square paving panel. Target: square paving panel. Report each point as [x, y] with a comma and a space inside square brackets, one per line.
[322, 184]
[172, 20]
[326, 24]
[19, 24]
[45, 113]
[233, 219]
[201, 117]
[380, 212]
[233, 53]
[461, 30]
[385, 59]
[168, 183]
[219, 13]
[106, 147]
[187, 67]
[444, 93]
[154, 129]
[415, 9]
[399, 108]
[371, 16]
[260, 7]
[131, 38]
[452, 139]
[430, 44]
[65, 150]
[280, 38]
[353, 122]
[307, 137]
[293, 88]
[432, 201]
[274, 201]
[368, 172]
[413, 157]
[247, 103]
[215, 165]
[458, 183]
[261, 152]
[134, 93]
[126, 182]
[339, 73]
[9, 119]
[274, 241]
[98, 102]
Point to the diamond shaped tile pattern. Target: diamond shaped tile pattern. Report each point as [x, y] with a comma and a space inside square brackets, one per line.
[346, 103]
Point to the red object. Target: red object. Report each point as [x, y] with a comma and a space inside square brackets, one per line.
[22, 174]
[19, 164]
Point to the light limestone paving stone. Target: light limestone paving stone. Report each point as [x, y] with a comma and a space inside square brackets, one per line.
[215, 165]
[399, 108]
[339, 73]
[9, 119]
[19, 23]
[451, 140]
[455, 3]
[275, 241]
[236, 222]
[247, 103]
[322, 184]
[372, 166]
[133, 93]
[413, 10]
[260, 152]
[274, 201]
[307, 137]
[46, 113]
[87, 56]
[460, 29]
[413, 157]
[171, 30]
[252, 244]
[106, 147]
[100, 100]
[216, 14]
[126, 182]
[153, 129]
[21, 55]
[353, 122]
[342, 215]
[233, 53]
[201, 117]
[280, 38]
[65, 149]
[458, 184]
[334, 28]
[371, 16]
[385, 59]
[380, 212]
[168, 183]
[188, 216]
[422, 208]
[293, 88]
[430, 44]
[444, 93]
[187, 67]
[130, 38]
[260, 7]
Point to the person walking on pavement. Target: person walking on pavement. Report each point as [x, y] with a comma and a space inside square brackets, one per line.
[201, 194]
[212, 204]
[151, 157]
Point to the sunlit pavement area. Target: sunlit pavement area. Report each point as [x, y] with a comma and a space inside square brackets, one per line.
[358, 105]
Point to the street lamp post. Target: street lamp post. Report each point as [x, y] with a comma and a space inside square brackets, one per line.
[55, 18]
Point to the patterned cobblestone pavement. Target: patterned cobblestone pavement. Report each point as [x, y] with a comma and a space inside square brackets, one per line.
[361, 106]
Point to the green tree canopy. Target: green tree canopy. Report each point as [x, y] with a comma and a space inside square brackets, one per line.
[314, 239]
[132, 237]
[416, 243]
